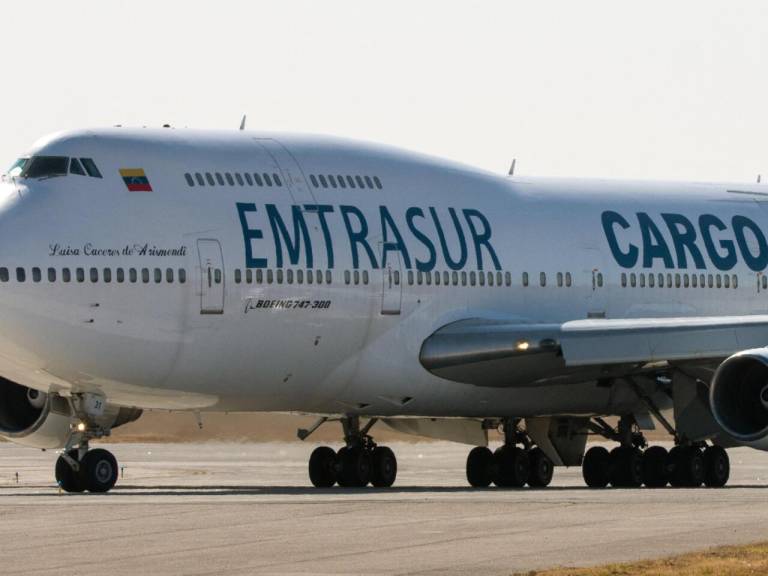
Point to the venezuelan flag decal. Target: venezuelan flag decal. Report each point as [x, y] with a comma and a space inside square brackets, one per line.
[135, 179]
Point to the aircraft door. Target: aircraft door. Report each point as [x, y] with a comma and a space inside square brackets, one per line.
[290, 171]
[595, 277]
[392, 285]
[211, 277]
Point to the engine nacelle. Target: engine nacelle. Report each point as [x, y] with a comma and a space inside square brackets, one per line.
[738, 397]
[41, 420]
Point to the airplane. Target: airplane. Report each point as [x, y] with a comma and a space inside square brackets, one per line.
[240, 271]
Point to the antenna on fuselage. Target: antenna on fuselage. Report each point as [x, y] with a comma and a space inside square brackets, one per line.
[759, 177]
[512, 168]
[242, 122]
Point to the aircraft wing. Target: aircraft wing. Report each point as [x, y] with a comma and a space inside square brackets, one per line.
[499, 353]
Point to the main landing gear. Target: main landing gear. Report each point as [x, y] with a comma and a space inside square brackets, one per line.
[359, 463]
[631, 464]
[510, 466]
[93, 470]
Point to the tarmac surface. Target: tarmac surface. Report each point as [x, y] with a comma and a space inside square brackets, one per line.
[248, 509]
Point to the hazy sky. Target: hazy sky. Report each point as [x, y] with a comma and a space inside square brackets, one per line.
[589, 88]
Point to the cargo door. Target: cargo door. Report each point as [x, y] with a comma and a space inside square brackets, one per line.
[211, 277]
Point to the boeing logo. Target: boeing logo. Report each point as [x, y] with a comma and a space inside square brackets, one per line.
[371, 244]
[723, 242]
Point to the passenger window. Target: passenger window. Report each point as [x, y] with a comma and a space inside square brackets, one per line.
[447, 280]
[120, 275]
[289, 276]
[410, 277]
[182, 276]
[677, 280]
[313, 180]
[169, 275]
[217, 276]
[310, 277]
[238, 276]
[419, 277]
[270, 276]
[525, 278]
[239, 179]
[94, 275]
[66, 275]
[357, 277]
[543, 279]
[280, 276]
[199, 178]
[669, 280]
[661, 280]
[90, 167]
[51, 274]
[365, 277]
[599, 279]
[36, 274]
[490, 278]
[351, 181]
[248, 179]
[428, 278]
[347, 277]
[145, 275]
[735, 281]
[106, 274]
[190, 181]
[719, 281]
[369, 182]
[80, 272]
[259, 276]
[360, 183]
[437, 278]
[568, 280]
[230, 180]
[702, 283]
[623, 279]
[258, 179]
[323, 181]
[328, 277]
[726, 280]
[133, 276]
[267, 179]
[299, 276]
[455, 277]
[463, 278]
[3, 274]
[377, 182]
[319, 277]
[341, 181]
[633, 279]
[651, 280]
[642, 280]
[694, 281]
[75, 167]
[276, 178]
[397, 278]
[686, 281]
[219, 178]
[332, 180]
[559, 279]
[710, 280]
[158, 274]
[472, 278]
[209, 178]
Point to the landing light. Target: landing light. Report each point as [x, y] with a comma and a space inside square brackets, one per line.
[522, 345]
[81, 426]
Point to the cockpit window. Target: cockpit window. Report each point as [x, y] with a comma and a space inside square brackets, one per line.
[18, 167]
[45, 167]
[75, 167]
[90, 167]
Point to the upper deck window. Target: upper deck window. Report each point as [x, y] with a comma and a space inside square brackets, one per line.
[46, 167]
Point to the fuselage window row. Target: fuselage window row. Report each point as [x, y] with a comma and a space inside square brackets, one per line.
[345, 181]
[668, 280]
[233, 179]
[94, 275]
[280, 276]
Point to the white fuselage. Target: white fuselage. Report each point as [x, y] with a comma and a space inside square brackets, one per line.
[247, 331]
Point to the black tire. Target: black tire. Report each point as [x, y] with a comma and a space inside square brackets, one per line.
[322, 467]
[384, 467]
[687, 464]
[67, 479]
[626, 467]
[541, 469]
[480, 467]
[99, 470]
[355, 469]
[512, 467]
[656, 467]
[717, 467]
[596, 467]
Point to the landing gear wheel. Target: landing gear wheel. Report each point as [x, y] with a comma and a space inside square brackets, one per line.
[626, 467]
[541, 469]
[655, 467]
[717, 467]
[355, 467]
[512, 467]
[596, 467]
[384, 467]
[99, 470]
[480, 467]
[66, 477]
[322, 467]
[687, 467]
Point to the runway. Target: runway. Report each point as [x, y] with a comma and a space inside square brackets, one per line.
[247, 509]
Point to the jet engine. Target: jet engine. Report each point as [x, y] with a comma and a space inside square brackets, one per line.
[738, 397]
[40, 420]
